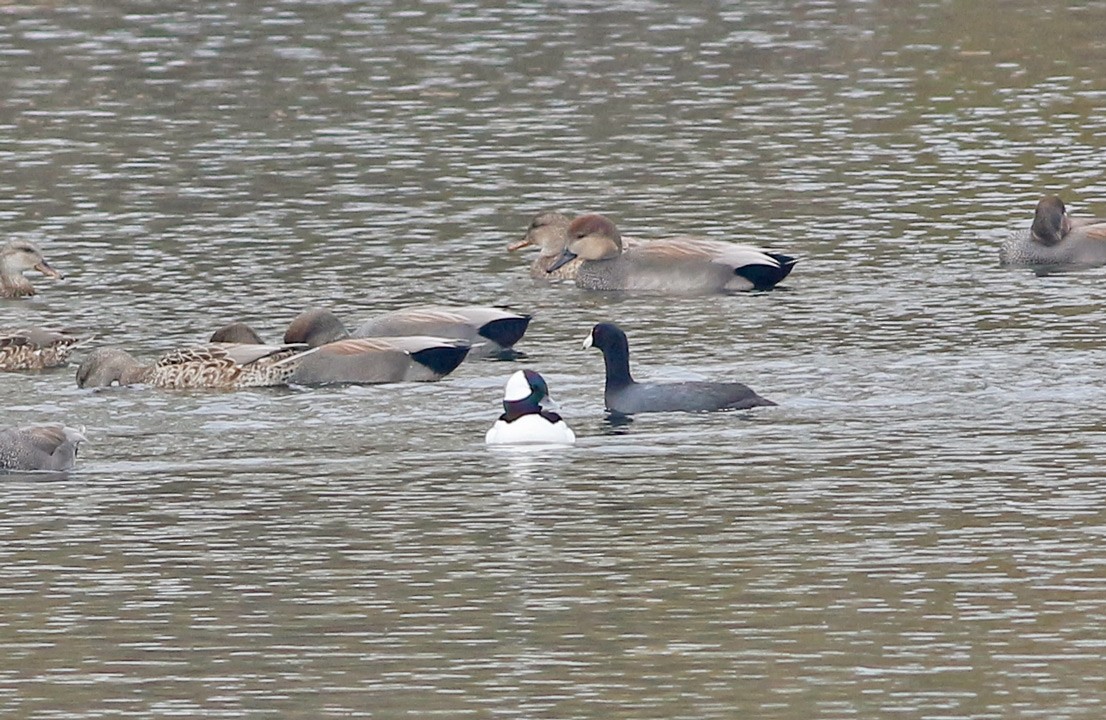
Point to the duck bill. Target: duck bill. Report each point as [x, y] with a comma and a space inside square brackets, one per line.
[519, 244]
[45, 268]
[565, 258]
[587, 342]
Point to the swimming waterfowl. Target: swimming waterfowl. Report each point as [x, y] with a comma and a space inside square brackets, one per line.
[364, 360]
[369, 361]
[223, 366]
[676, 265]
[341, 359]
[524, 421]
[624, 396]
[39, 447]
[36, 348]
[17, 256]
[1055, 238]
[490, 330]
[549, 231]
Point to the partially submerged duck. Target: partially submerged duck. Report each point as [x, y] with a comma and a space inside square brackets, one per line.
[221, 366]
[342, 359]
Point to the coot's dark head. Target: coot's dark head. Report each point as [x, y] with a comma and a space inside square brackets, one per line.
[607, 337]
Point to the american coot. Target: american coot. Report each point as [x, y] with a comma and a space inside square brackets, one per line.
[17, 256]
[207, 366]
[523, 420]
[624, 396]
[491, 330]
[675, 265]
[1055, 238]
[364, 361]
[37, 348]
[39, 447]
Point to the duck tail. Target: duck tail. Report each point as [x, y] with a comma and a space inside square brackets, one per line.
[505, 332]
[765, 277]
[441, 359]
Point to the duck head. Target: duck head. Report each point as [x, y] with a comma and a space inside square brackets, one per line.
[1050, 222]
[106, 366]
[524, 393]
[16, 257]
[315, 327]
[238, 333]
[591, 237]
[549, 231]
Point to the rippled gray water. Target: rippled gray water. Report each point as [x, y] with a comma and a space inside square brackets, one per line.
[916, 531]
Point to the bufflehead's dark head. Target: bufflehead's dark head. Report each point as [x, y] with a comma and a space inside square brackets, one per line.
[524, 392]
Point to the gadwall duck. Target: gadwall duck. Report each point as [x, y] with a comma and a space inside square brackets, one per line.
[341, 359]
[37, 348]
[524, 421]
[39, 447]
[624, 396]
[490, 330]
[17, 256]
[223, 366]
[675, 265]
[238, 333]
[549, 232]
[1055, 238]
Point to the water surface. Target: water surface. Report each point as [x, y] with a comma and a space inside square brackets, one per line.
[915, 531]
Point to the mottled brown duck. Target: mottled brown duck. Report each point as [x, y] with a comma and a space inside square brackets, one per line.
[366, 361]
[36, 348]
[223, 366]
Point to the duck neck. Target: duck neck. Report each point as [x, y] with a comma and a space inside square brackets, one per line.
[135, 374]
[14, 284]
[1049, 231]
[514, 409]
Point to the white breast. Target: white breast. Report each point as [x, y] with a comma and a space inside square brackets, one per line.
[530, 429]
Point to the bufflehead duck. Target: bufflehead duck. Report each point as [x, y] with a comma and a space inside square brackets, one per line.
[523, 420]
